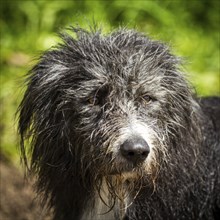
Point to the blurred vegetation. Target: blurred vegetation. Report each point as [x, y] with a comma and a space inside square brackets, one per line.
[30, 26]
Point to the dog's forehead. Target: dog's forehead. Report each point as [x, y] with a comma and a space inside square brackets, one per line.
[124, 62]
[133, 71]
[110, 81]
[126, 65]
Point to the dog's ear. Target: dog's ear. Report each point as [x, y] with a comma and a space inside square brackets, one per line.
[48, 104]
[46, 117]
[42, 120]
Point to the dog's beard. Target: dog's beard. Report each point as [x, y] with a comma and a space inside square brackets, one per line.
[120, 189]
[122, 183]
[116, 179]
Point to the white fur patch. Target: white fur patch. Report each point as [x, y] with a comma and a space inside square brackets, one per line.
[136, 128]
[55, 73]
[101, 211]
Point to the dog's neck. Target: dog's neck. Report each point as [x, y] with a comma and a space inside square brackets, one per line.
[102, 207]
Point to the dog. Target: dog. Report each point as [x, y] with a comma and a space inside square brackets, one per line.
[114, 130]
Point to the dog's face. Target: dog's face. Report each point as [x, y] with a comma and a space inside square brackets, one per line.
[119, 111]
[125, 94]
[114, 103]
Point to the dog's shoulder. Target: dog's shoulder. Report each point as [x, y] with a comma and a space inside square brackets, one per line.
[211, 108]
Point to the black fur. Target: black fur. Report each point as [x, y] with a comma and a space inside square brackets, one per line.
[91, 93]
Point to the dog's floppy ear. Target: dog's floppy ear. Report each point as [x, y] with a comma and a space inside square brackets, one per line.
[47, 107]
[41, 112]
[46, 117]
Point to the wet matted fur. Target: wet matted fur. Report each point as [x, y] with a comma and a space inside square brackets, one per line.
[115, 131]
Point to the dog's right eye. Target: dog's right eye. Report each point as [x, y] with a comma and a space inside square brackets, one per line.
[98, 98]
[94, 100]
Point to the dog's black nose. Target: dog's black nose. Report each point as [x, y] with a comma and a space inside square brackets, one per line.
[135, 149]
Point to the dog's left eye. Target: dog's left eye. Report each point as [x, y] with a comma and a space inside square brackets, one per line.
[147, 99]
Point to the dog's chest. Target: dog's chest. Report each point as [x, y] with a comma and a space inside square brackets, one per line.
[100, 211]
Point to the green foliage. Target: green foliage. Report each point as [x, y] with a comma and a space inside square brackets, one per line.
[30, 26]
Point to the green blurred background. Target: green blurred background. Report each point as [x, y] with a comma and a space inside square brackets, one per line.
[30, 26]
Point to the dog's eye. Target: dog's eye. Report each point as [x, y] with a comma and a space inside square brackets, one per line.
[98, 98]
[94, 100]
[147, 99]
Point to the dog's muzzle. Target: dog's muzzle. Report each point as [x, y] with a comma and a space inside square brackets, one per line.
[135, 150]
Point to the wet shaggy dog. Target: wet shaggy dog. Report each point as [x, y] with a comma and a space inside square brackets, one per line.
[115, 132]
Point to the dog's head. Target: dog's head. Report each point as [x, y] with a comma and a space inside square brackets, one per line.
[106, 105]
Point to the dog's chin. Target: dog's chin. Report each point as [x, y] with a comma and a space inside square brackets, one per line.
[128, 169]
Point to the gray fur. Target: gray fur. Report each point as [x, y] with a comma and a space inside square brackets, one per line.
[89, 95]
